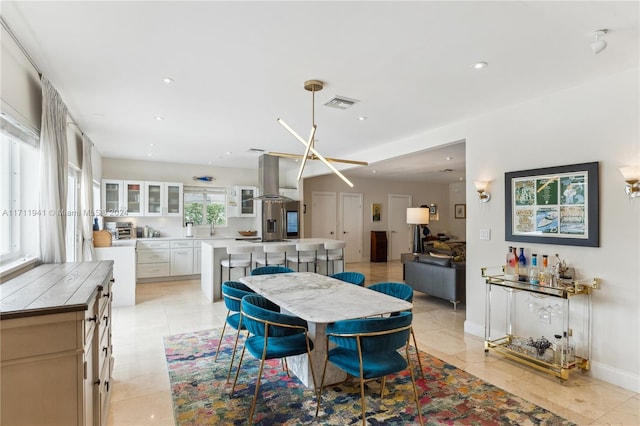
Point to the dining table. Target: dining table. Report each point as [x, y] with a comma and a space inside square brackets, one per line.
[321, 300]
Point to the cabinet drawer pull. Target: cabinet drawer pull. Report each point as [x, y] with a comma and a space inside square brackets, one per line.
[106, 320]
[113, 280]
[97, 382]
[106, 295]
[106, 385]
[105, 350]
[93, 318]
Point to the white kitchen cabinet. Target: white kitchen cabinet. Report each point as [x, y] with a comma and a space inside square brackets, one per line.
[153, 259]
[197, 254]
[181, 257]
[113, 198]
[133, 197]
[163, 198]
[240, 202]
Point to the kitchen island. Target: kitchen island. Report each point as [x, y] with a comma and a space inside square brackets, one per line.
[214, 251]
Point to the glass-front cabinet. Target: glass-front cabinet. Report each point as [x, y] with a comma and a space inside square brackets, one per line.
[113, 198]
[545, 327]
[163, 199]
[154, 201]
[240, 202]
[247, 204]
[134, 197]
[173, 197]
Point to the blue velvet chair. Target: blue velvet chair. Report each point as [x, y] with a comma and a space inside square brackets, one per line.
[272, 335]
[356, 278]
[368, 349]
[264, 270]
[401, 291]
[232, 294]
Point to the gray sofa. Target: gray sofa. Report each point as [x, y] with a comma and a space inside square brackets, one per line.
[438, 277]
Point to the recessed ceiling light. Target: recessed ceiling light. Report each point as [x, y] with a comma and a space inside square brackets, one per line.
[362, 118]
[228, 152]
[152, 145]
[158, 118]
[168, 80]
[480, 65]
[448, 158]
[461, 178]
[373, 171]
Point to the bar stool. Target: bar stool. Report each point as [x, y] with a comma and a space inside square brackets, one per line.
[237, 262]
[334, 251]
[274, 254]
[307, 253]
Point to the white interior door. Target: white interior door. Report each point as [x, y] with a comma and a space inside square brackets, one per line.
[399, 229]
[323, 215]
[351, 225]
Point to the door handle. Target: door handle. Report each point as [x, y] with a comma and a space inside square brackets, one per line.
[331, 233]
[344, 232]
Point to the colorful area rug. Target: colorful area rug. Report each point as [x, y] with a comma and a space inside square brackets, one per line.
[449, 395]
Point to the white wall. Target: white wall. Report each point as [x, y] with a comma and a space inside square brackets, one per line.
[377, 191]
[599, 121]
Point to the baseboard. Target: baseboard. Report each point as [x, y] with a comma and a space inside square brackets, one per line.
[615, 376]
[598, 370]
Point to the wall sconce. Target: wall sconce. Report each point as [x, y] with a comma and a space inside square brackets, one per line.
[632, 181]
[481, 187]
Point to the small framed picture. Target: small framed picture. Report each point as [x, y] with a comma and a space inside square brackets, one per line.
[460, 211]
[433, 209]
[376, 212]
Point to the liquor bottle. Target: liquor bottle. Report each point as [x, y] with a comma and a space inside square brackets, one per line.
[533, 270]
[545, 278]
[510, 267]
[522, 266]
[517, 269]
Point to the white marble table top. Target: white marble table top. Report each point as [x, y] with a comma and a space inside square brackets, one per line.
[320, 299]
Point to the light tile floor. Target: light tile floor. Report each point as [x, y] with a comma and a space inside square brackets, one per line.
[141, 394]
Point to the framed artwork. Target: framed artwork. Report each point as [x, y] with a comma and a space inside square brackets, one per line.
[460, 211]
[553, 205]
[376, 212]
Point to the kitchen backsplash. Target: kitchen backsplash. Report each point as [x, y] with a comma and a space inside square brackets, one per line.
[172, 226]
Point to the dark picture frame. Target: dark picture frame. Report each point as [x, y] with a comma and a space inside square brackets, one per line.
[554, 205]
[460, 211]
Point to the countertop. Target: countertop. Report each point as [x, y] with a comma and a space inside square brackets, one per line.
[53, 288]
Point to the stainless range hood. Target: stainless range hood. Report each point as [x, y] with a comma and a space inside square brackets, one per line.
[269, 180]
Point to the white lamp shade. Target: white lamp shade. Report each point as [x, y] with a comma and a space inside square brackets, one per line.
[630, 173]
[418, 215]
[481, 185]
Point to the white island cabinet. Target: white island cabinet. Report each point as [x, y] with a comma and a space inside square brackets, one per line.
[213, 251]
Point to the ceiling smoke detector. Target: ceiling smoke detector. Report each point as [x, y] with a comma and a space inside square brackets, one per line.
[341, 102]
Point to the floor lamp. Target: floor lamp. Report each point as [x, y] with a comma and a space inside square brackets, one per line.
[417, 216]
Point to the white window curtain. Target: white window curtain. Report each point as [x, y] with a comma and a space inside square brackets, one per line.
[86, 200]
[54, 164]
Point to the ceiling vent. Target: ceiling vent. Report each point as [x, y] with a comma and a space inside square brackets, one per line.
[256, 150]
[340, 102]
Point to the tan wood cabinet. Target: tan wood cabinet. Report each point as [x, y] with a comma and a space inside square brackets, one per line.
[56, 353]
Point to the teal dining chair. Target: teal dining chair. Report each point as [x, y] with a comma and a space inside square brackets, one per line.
[404, 292]
[272, 335]
[356, 278]
[368, 349]
[232, 294]
[266, 270]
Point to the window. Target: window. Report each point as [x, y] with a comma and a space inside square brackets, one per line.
[19, 201]
[204, 205]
